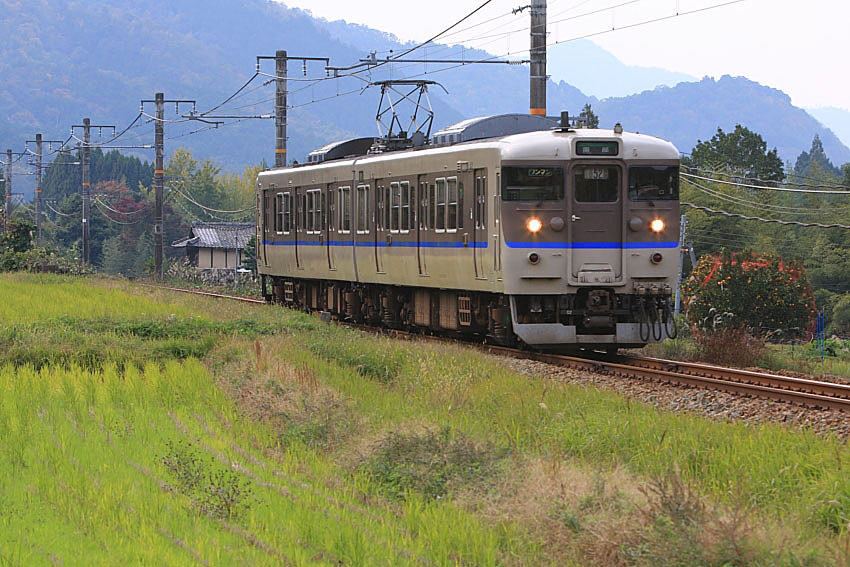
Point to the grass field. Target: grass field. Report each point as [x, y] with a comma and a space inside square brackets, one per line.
[143, 427]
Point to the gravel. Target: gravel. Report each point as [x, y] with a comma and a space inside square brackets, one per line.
[713, 404]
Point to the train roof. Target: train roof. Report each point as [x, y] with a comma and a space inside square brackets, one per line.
[535, 145]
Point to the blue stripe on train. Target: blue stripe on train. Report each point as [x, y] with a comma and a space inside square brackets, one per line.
[373, 244]
[593, 245]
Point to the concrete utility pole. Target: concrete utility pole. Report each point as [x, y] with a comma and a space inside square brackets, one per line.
[280, 109]
[8, 209]
[85, 192]
[158, 182]
[159, 174]
[86, 163]
[39, 161]
[537, 69]
[280, 60]
[38, 189]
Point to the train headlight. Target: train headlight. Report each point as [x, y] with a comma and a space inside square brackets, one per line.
[657, 225]
[534, 225]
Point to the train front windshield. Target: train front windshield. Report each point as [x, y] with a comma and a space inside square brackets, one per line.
[654, 183]
[532, 183]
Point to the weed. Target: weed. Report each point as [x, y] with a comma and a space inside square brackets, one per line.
[217, 492]
[429, 463]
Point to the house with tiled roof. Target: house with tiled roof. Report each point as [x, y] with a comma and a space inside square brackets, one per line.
[216, 245]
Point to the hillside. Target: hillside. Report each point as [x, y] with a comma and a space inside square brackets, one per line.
[69, 59]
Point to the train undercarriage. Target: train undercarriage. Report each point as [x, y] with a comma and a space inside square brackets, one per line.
[592, 318]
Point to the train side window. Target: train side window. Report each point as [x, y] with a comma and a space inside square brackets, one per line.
[423, 205]
[310, 207]
[302, 201]
[278, 217]
[285, 212]
[596, 183]
[323, 213]
[331, 210]
[440, 201]
[314, 211]
[451, 205]
[395, 206]
[345, 210]
[480, 202]
[362, 209]
[387, 207]
[406, 212]
[267, 201]
[432, 192]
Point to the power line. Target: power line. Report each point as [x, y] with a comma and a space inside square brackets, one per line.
[751, 186]
[760, 219]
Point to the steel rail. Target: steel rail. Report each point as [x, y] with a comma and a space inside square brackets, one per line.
[800, 391]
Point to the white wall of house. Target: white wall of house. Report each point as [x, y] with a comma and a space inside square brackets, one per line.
[218, 258]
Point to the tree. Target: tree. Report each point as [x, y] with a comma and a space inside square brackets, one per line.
[249, 254]
[814, 163]
[590, 118]
[18, 236]
[741, 152]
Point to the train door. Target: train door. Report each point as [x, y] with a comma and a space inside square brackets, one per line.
[422, 224]
[479, 220]
[596, 223]
[266, 228]
[328, 224]
[298, 209]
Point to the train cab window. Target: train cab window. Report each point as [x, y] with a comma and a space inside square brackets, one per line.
[654, 183]
[596, 183]
[532, 183]
[452, 205]
[362, 209]
[345, 210]
[440, 200]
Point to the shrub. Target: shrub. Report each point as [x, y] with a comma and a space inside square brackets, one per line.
[759, 292]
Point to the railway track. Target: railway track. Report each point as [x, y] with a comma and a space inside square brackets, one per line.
[800, 391]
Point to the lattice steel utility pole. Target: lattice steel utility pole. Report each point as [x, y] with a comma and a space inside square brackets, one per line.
[280, 61]
[85, 155]
[537, 69]
[159, 174]
[38, 177]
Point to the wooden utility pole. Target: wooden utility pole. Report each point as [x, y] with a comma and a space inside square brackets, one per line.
[537, 69]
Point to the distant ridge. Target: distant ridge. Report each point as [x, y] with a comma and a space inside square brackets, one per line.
[67, 60]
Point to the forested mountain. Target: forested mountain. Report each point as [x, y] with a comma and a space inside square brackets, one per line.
[63, 60]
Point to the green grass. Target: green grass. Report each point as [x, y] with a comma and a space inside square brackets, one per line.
[172, 429]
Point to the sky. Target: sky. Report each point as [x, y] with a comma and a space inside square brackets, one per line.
[795, 46]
